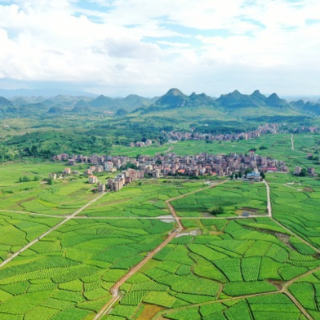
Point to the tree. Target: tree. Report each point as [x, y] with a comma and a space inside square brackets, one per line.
[240, 174]
[262, 175]
[303, 172]
[216, 211]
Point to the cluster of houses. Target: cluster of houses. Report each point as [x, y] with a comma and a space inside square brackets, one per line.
[172, 165]
[305, 129]
[263, 129]
[310, 171]
[126, 177]
[146, 143]
[207, 164]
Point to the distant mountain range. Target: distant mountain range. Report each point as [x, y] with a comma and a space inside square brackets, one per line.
[46, 93]
[234, 103]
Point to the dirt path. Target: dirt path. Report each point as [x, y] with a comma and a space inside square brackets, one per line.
[292, 142]
[116, 295]
[169, 150]
[49, 231]
[268, 199]
[35, 214]
[285, 287]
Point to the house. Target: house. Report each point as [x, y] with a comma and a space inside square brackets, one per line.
[101, 187]
[297, 170]
[71, 162]
[53, 176]
[156, 173]
[93, 179]
[254, 176]
[67, 171]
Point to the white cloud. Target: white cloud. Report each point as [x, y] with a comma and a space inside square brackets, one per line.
[149, 46]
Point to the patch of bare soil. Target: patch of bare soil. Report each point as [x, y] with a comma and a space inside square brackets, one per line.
[149, 311]
[251, 210]
[285, 239]
[25, 200]
[277, 283]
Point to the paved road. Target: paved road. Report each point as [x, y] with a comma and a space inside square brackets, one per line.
[49, 231]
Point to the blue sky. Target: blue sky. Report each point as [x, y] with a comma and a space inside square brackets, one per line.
[146, 47]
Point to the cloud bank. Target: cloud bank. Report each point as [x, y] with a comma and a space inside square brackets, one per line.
[119, 47]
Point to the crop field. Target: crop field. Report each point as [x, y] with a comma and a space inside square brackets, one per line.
[145, 198]
[221, 266]
[233, 197]
[134, 151]
[307, 291]
[68, 274]
[17, 230]
[63, 197]
[247, 257]
[276, 306]
[297, 207]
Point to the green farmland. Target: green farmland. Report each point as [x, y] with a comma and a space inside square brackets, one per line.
[217, 265]
[233, 197]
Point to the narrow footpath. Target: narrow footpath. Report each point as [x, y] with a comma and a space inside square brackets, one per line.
[49, 231]
[292, 142]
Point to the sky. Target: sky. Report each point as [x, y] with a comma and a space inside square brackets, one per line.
[146, 47]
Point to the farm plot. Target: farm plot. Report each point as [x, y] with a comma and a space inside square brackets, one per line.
[206, 268]
[18, 230]
[307, 291]
[297, 208]
[145, 198]
[63, 197]
[232, 197]
[68, 274]
[275, 306]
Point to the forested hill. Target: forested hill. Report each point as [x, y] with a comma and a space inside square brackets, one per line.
[234, 104]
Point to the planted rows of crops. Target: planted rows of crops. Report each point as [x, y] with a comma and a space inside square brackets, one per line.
[203, 268]
[275, 306]
[297, 207]
[70, 272]
[141, 199]
[307, 291]
[64, 197]
[232, 197]
[18, 230]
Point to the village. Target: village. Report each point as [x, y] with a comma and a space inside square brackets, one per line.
[248, 166]
[268, 128]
